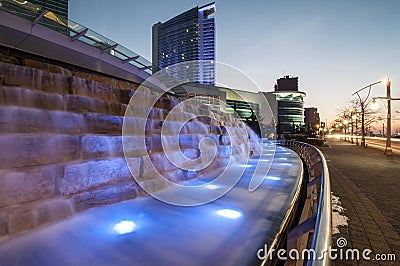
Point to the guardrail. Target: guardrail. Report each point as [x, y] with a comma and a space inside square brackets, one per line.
[75, 31]
[316, 218]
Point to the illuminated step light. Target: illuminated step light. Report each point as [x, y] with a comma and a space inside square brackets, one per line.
[228, 213]
[213, 187]
[245, 165]
[273, 178]
[286, 164]
[124, 227]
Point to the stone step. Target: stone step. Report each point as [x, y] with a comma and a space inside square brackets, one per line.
[15, 119]
[24, 97]
[42, 80]
[106, 194]
[28, 183]
[18, 218]
[97, 173]
[15, 75]
[20, 150]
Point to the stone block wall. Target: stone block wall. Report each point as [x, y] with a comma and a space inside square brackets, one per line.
[61, 145]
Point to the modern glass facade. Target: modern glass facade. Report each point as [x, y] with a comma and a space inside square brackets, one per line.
[290, 110]
[58, 7]
[57, 15]
[189, 39]
[245, 110]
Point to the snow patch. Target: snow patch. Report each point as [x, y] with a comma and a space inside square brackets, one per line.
[338, 217]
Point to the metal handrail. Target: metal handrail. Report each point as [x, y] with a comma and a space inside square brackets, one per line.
[75, 31]
[322, 237]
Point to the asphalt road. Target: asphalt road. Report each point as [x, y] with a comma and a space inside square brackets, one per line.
[376, 142]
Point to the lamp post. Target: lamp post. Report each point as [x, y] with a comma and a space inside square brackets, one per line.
[352, 124]
[362, 104]
[388, 149]
[354, 118]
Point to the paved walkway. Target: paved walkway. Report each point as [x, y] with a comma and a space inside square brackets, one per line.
[368, 184]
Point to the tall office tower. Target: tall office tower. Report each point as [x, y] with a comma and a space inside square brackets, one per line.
[187, 37]
[58, 7]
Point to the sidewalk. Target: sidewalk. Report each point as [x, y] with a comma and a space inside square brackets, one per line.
[368, 185]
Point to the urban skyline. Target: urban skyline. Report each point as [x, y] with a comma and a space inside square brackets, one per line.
[335, 48]
[95, 159]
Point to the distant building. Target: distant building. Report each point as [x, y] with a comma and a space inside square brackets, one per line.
[213, 96]
[58, 7]
[311, 119]
[187, 37]
[290, 102]
[256, 109]
[287, 84]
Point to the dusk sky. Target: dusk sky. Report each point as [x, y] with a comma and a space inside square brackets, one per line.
[334, 47]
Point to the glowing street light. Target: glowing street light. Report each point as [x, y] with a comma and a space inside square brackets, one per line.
[374, 105]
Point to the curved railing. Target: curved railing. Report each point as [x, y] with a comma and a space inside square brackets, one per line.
[318, 216]
[75, 31]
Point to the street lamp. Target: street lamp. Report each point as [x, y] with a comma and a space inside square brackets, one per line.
[362, 104]
[388, 149]
[354, 119]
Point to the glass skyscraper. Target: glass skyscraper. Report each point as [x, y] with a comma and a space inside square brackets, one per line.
[187, 37]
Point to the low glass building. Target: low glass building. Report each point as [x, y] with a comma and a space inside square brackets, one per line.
[290, 110]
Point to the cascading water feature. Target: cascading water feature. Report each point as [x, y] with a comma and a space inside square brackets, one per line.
[62, 149]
